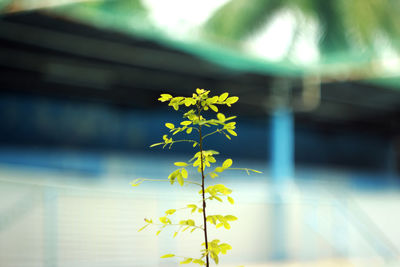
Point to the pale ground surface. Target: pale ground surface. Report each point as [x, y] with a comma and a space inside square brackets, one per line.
[63, 218]
[322, 263]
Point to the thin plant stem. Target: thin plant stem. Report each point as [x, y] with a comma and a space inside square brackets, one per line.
[202, 191]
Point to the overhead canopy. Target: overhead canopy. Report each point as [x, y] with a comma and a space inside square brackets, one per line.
[335, 40]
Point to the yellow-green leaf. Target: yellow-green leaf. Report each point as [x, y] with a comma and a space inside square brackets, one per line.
[186, 261]
[180, 164]
[227, 225]
[137, 182]
[170, 212]
[227, 163]
[186, 123]
[189, 130]
[232, 132]
[230, 218]
[230, 200]
[180, 180]
[157, 144]
[200, 91]
[199, 261]
[222, 97]
[184, 173]
[214, 108]
[214, 256]
[168, 256]
[170, 125]
[143, 227]
[213, 175]
[219, 169]
[221, 117]
[165, 220]
[165, 97]
[231, 100]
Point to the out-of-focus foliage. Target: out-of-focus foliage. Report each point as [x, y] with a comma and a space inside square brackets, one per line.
[343, 24]
[118, 6]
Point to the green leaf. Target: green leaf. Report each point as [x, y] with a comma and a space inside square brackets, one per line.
[212, 219]
[173, 174]
[170, 125]
[221, 117]
[168, 256]
[213, 175]
[214, 108]
[165, 97]
[213, 100]
[214, 256]
[219, 169]
[165, 220]
[143, 227]
[186, 123]
[230, 200]
[189, 130]
[232, 132]
[180, 164]
[199, 261]
[175, 234]
[222, 97]
[227, 163]
[230, 218]
[186, 261]
[184, 173]
[227, 225]
[224, 247]
[170, 212]
[137, 182]
[218, 198]
[156, 144]
[158, 232]
[231, 100]
[200, 91]
[180, 179]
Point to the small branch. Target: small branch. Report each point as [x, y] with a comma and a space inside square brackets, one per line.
[176, 224]
[245, 169]
[216, 131]
[178, 141]
[141, 180]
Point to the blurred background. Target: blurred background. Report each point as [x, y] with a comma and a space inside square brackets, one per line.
[319, 88]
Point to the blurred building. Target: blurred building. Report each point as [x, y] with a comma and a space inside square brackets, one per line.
[78, 109]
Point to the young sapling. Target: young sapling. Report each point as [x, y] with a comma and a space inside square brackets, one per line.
[194, 123]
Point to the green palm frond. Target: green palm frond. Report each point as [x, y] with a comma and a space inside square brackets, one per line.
[239, 18]
[343, 24]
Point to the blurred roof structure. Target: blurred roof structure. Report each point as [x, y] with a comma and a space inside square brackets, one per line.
[112, 50]
[339, 40]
